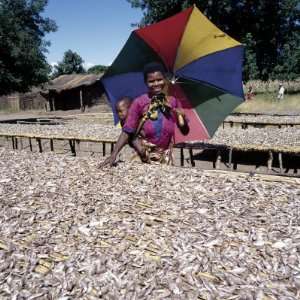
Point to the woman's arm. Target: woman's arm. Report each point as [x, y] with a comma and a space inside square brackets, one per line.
[121, 142]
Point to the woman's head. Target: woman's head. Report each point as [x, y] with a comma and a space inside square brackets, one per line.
[154, 77]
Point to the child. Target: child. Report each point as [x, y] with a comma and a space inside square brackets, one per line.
[122, 108]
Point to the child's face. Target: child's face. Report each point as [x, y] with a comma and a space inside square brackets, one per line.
[122, 110]
[156, 82]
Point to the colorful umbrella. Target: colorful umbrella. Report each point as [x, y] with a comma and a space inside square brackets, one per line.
[205, 66]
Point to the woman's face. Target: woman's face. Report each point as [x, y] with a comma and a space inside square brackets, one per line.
[156, 82]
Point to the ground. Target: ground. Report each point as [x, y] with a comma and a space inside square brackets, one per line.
[268, 104]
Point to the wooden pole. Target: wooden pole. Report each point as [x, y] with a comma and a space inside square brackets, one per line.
[51, 145]
[218, 160]
[280, 162]
[230, 158]
[182, 156]
[103, 148]
[13, 142]
[72, 147]
[78, 145]
[30, 144]
[192, 157]
[39, 144]
[270, 161]
[111, 147]
[21, 143]
[82, 108]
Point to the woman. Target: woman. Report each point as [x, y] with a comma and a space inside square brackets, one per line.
[151, 120]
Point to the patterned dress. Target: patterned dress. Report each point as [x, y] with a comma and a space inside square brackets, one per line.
[157, 135]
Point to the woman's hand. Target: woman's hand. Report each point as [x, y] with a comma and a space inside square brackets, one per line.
[121, 142]
[180, 117]
[110, 161]
[179, 111]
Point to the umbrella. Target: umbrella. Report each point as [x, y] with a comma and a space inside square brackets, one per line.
[204, 65]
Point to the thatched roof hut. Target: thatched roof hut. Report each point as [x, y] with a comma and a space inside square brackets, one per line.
[74, 91]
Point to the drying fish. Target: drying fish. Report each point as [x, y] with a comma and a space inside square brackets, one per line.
[69, 230]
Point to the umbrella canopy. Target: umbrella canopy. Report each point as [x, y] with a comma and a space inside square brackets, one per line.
[204, 62]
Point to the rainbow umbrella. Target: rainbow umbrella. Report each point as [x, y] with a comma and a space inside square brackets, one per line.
[204, 63]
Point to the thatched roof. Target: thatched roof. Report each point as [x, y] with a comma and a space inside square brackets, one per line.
[67, 82]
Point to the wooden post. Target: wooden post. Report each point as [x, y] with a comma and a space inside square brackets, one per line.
[52, 101]
[230, 158]
[270, 161]
[78, 145]
[111, 147]
[21, 143]
[30, 144]
[82, 106]
[39, 144]
[182, 156]
[72, 147]
[51, 145]
[192, 157]
[13, 142]
[16, 142]
[280, 162]
[218, 160]
[103, 148]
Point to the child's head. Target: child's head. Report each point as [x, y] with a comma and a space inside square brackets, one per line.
[155, 77]
[122, 108]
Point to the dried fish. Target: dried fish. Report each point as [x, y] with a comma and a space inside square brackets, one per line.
[69, 230]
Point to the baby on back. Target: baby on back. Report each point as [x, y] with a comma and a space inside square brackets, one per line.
[122, 108]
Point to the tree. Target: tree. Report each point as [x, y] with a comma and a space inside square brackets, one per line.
[98, 69]
[22, 45]
[72, 63]
[271, 23]
[250, 67]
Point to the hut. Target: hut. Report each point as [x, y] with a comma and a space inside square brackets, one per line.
[10, 103]
[75, 91]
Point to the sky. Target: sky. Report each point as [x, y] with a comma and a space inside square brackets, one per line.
[95, 29]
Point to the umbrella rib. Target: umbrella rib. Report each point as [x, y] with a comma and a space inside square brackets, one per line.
[202, 82]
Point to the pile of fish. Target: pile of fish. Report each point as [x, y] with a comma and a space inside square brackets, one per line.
[74, 129]
[265, 119]
[268, 137]
[69, 230]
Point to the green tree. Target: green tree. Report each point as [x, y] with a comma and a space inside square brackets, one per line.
[22, 45]
[98, 69]
[271, 24]
[72, 63]
[250, 67]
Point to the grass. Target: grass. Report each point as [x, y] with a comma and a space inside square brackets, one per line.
[268, 104]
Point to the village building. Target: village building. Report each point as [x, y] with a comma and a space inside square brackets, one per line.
[66, 92]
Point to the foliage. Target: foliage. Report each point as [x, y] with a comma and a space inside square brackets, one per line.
[270, 29]
[22, 44]
[72, 63]
[98, 69]
[250, 67]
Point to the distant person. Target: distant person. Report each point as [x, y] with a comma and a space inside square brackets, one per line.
[281, 91]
